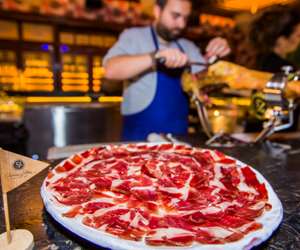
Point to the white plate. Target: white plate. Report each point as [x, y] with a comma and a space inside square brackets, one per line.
[270, 221]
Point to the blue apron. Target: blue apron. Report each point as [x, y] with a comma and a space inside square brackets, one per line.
[168, 111]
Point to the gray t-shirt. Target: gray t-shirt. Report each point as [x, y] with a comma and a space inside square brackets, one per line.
[140, 91]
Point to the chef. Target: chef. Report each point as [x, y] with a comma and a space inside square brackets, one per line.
[153, 99]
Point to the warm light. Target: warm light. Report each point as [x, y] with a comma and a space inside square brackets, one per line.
[79, 99]
[96, 82]
[252, 6]
[36, 63]
[254, 9]
[98, 73]
[216, 20]
[8, 69]
[236, 101]
[84, 99]
[96, 88]
[38, 81]
[216, 113]
[98, 70]
[38, 88]
[7, 79]
[75, 88]
[38, 72]
[75, 75]
[75, 81]
[110, 99]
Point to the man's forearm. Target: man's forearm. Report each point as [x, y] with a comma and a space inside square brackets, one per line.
[126, 67]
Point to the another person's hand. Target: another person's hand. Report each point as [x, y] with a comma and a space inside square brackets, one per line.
[217, 47]
[174, 58]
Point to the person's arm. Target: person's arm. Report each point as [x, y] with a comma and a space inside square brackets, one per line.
[124, 67]
[124, 60]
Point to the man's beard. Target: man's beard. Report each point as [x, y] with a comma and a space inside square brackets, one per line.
[167, 34]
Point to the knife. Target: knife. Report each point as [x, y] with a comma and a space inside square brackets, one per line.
[211, 60]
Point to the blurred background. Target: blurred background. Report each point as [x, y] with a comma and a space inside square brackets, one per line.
[51, 78]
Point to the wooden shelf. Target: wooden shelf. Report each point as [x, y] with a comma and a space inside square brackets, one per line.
[87, 25]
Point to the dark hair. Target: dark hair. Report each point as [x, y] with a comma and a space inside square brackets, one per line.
[273, 23]
[163, 3]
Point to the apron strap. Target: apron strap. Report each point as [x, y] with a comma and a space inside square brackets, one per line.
[155, 41]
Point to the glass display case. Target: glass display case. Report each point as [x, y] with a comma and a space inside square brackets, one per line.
[8, 70]
[37, 33]
[49, 58]
[9, 30]
[98, 73]
[37, 74]
[75, 75]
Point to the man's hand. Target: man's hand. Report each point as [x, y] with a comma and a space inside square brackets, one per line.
[174, 57]
[217, 47]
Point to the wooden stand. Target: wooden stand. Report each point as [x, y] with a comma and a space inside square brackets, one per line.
[17, 239]
[20, 240]
[15, 170]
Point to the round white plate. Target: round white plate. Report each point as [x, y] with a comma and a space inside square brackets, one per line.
[270, 221]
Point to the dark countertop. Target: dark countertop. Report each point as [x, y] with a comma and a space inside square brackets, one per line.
[281, 169]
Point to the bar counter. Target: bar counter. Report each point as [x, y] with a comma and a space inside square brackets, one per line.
[279, 167]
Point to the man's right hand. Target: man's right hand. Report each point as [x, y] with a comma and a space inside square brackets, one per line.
[174, 58]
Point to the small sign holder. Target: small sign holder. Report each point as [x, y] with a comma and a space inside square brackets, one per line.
[15, 170]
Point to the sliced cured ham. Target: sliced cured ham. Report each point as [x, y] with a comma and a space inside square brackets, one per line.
[163, 195]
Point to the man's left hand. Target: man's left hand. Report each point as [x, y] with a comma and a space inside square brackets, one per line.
[218, 47]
